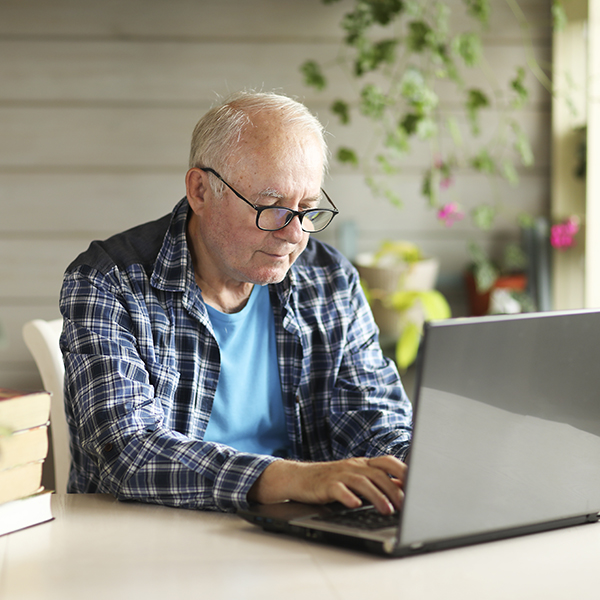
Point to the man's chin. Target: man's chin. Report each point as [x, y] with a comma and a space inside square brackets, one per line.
[269, 276]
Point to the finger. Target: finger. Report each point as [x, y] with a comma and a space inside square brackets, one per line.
[391, 465]
[384, 502]
[376, 487]
[343, 494]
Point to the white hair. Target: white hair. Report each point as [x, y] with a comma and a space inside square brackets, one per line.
[218, 133]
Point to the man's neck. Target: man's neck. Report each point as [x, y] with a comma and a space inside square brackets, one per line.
[226, 299]
[225, 294]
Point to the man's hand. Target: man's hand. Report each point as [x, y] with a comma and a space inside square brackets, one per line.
[378, 480]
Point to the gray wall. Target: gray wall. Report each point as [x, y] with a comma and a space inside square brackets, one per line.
[98, 100]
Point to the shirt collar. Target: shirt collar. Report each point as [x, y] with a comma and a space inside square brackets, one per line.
[173, 268]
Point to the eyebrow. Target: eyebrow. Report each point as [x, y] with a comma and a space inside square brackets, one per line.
[273, 193]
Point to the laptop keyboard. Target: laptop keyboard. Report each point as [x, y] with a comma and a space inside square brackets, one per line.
[366, 518]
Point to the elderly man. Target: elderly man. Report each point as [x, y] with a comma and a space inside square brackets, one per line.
[221, 355]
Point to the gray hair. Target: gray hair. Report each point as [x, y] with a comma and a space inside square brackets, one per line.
[219, 131]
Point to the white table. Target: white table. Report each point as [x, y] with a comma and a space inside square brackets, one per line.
[100, 548]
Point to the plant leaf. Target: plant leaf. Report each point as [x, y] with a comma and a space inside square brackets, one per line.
[483, 216]
[419, 36]
[468, 47]
[479, 9]
[434, 305]
[372, 101]
[407, 347]
[509, 172]
[313, 75]
[522, 145]
[519, 88]
[559, 17]
[347, 156]
[484, 163]
[342, 110]
[402, 300]
[476, 100]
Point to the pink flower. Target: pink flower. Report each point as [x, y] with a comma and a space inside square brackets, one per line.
[449, 214]
[562, 234]
[446, 182]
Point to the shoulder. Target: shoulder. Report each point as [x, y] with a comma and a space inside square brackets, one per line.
[139, 245]
[319, 255]
[323, 271]
[322, 261]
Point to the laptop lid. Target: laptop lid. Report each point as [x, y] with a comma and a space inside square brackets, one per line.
[507, 428]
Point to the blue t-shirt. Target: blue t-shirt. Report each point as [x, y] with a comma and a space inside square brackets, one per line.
[247, 412]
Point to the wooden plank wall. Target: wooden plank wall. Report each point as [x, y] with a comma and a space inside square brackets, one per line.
[98, 100]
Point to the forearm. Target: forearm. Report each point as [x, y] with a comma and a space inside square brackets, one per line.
[191, 474]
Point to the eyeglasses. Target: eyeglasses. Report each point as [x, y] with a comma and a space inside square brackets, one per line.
[274, 218]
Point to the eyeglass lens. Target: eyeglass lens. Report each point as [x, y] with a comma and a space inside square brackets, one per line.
[272, 219]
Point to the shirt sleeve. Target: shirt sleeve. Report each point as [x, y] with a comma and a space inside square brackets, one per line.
[371, 414]
[116, 411]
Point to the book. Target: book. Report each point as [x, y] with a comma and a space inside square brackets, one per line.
[25, 446]
[21, 481]
[23, 410]
[25, 512]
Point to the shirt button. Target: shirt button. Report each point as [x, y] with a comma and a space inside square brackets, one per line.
[107, 448]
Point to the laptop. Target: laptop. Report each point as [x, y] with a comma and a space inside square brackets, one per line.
[506, 440]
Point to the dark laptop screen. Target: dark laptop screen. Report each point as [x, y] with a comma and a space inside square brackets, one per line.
[507, 425]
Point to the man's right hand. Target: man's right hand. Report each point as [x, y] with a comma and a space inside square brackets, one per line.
[378, 480]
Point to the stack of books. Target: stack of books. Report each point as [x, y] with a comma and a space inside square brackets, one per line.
[23, 449]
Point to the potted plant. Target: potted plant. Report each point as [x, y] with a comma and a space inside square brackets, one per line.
[399, 283]
[498, 286]
[401, 57]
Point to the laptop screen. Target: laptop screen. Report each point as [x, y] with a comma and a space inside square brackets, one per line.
[507, 425]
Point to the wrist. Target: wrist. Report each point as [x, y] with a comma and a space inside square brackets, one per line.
[275, 483]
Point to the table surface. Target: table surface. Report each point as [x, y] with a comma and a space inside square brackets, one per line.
[100, 548]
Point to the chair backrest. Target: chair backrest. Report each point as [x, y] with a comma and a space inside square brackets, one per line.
[42, 339]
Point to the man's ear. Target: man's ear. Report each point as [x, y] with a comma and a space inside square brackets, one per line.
[196, 186]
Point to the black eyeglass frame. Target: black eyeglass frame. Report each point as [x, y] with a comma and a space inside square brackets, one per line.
[294, 213]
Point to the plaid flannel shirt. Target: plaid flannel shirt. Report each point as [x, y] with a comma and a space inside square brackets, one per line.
[142, 366]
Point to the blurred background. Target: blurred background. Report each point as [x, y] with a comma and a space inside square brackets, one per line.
[98, 100]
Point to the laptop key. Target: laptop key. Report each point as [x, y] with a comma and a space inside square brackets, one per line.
[362, 518]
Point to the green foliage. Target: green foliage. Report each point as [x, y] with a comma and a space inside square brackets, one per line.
[434, 306]
[347, 156]
[342, 110]
[518, 86]
[476, 100]
[402, 56]
[559, 16]
[468, 47]
[483, 216]
[479, 9]
[483, 162]
[372, 102]
[485, 271]
[400, 52]
[522, 145]
[407, 347]
[398, 252]
[313, 75]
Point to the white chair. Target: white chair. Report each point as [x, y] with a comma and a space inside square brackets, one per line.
[41, 337]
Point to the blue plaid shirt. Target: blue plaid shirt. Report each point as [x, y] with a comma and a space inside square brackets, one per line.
[142, 366]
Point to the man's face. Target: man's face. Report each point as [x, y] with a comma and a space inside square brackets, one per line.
[270, 167]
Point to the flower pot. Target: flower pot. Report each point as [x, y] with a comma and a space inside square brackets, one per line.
[419, 276]
[479, 302]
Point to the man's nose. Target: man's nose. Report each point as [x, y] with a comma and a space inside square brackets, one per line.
[292, 232]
